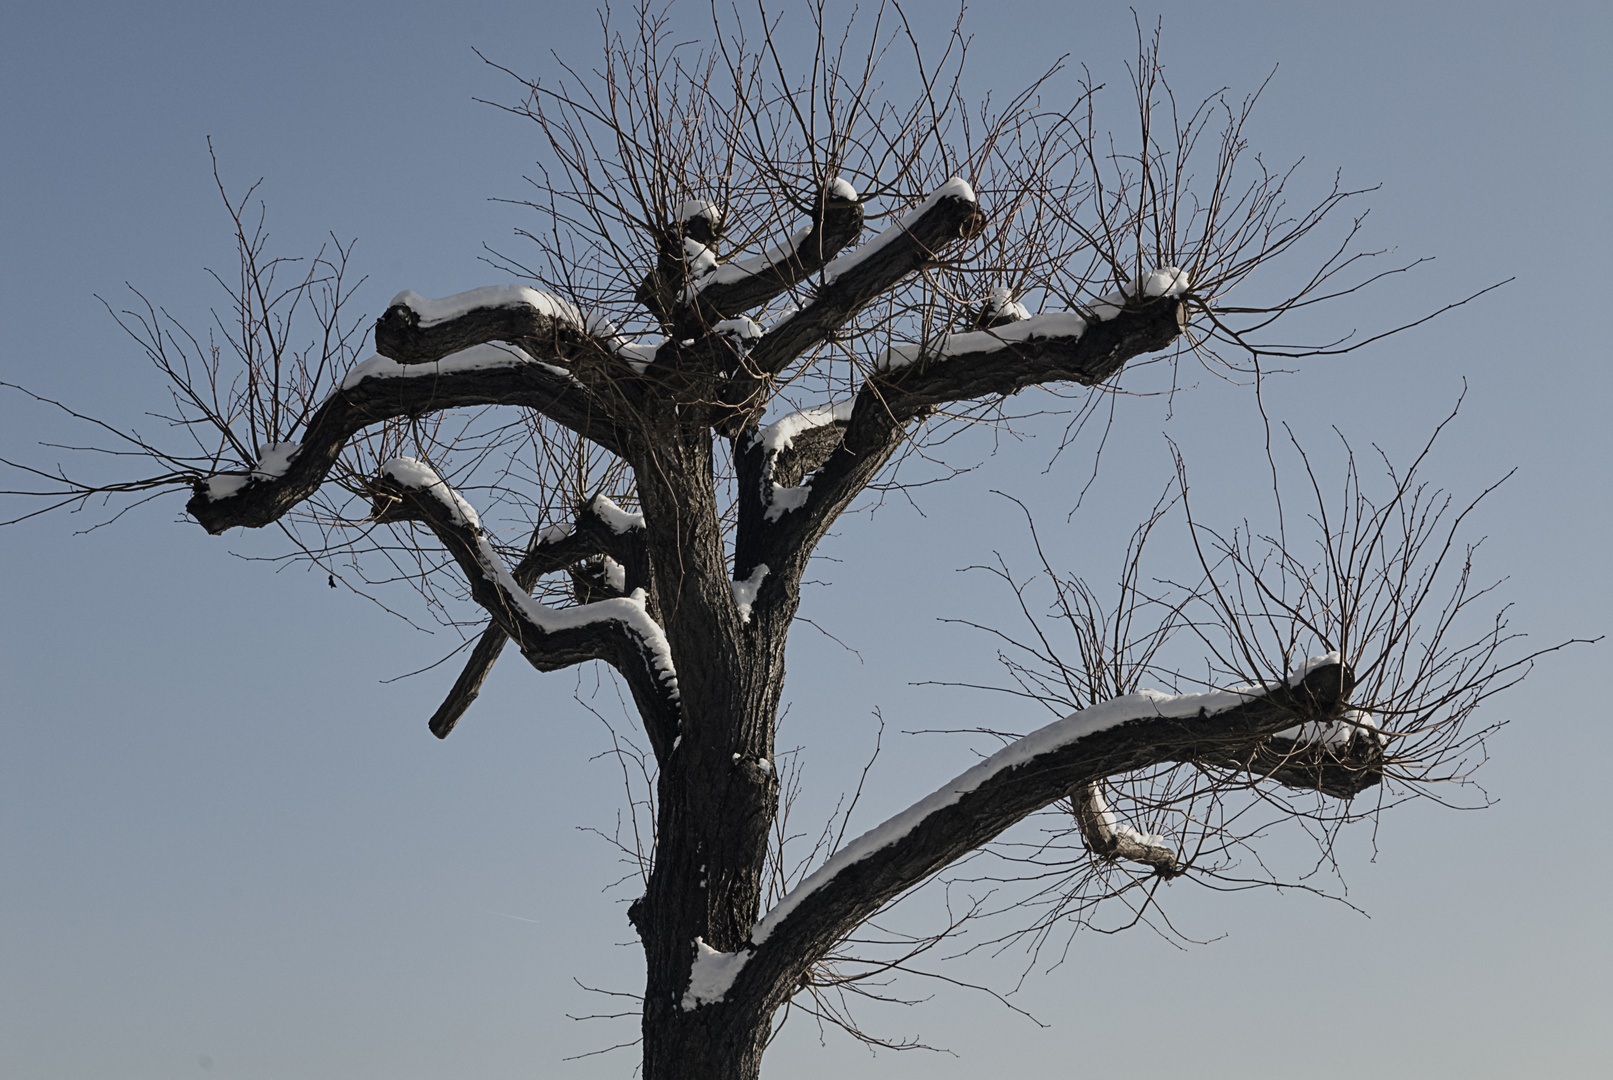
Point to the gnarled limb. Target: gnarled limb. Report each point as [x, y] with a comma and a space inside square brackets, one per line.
[855, 279]
[418, 330]
[600, 530]
[1055, 347]
[1134, 732]
[620, 631]
[1109, 839]
[689, 308]
[781, 523]
[375, 393]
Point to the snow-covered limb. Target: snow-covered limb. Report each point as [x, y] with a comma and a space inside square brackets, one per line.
[783, 466]
[788, 516]
[476, 358]
[419, 330]
[1001, 308]
[1017, 326]
[601, 531]
[853, 280]
[956, 189]
[772, 464]
[1170, 281]
[781, 433]
[272, 464]
[1063, 327]
[713, 291]
[620, 631]
[381, 390]
[1139, 730]
[619, 521]
[1109, 839]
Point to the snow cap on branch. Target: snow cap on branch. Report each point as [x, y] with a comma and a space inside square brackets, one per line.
[1142, 705]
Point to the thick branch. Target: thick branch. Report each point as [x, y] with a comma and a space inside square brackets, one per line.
[782, 527]
[853, 280]
[771, 464]
[1056, 347]
[691, 308]
[620, 631]
[599, 530]
[1136, 732]
[377, 392]
[419, 330]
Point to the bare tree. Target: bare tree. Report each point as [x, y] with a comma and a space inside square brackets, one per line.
[713, 364]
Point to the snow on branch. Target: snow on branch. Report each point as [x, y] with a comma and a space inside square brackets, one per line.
[603, 532]
[711, 976]
[549, 637]
[745, 591]
[1146, 727]
[854, 279]
[1020, 327]
[1108, 838]
[379, 390]
[720, 290]
[1001, 308]
[956, 189]
[272, 464]
[476, 358]
[419, 330]
[780, 489]
[1058, 325]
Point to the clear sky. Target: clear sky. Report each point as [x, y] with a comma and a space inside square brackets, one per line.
[230, 849]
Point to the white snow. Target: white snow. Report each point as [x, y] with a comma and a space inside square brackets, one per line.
[730, 272]
[783, 500]
[555, 533]
[744, 328]
[1169, 281]
[223, 485]
[432, 312]
[1165, 281]
[638, 356]
[1001, 304]
[1106, 815]
[1144, 704]
[412, 473]
[955, 188]
[698, 208]
[1332, 732]
[1052, 324]
[706, 274]
[711, 976]
[273, 461]
[699, 258]
[615, 574]
[475, 358]
[781, 433]
[745, 591]
[619, 520]
[631, 610]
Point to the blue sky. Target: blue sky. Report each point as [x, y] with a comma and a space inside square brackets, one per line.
[231, 849]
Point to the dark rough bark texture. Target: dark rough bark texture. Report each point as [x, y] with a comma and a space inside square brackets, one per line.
[265, 500]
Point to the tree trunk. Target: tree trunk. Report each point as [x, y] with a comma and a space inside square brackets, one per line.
[718, 790]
